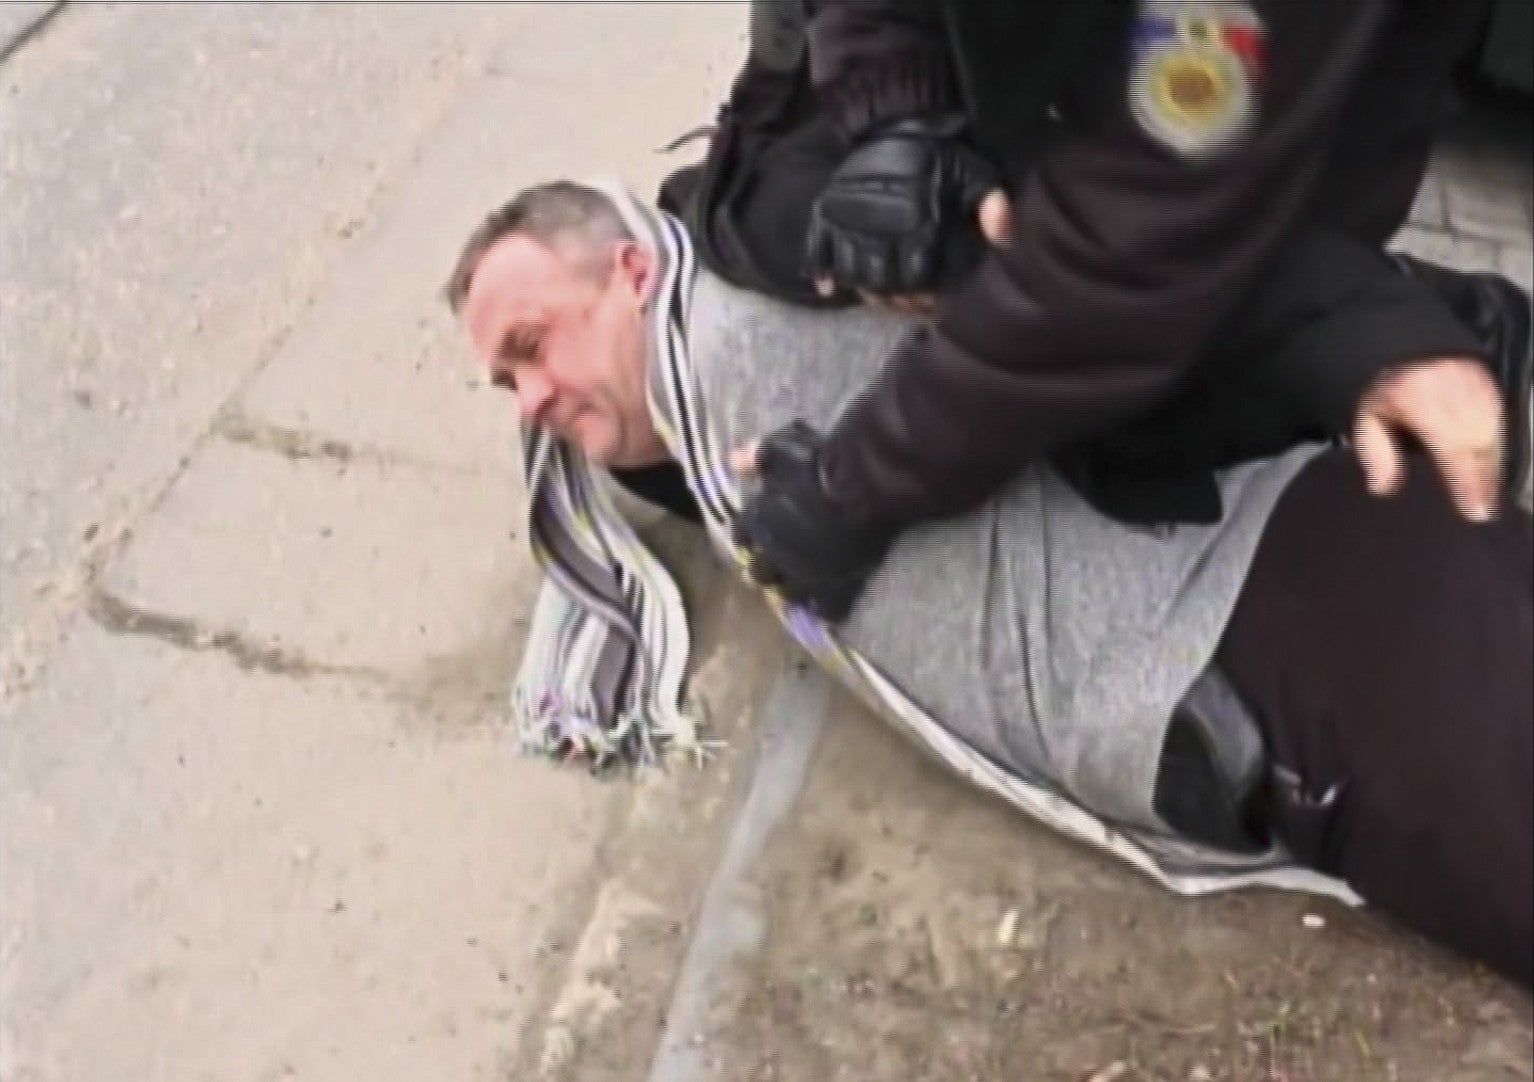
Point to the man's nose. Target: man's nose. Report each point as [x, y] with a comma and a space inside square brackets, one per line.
[534, 392]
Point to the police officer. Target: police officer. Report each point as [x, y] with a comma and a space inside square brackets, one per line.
[1159, 156]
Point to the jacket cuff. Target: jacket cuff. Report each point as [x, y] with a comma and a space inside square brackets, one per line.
[1399, 321]
[863, 101]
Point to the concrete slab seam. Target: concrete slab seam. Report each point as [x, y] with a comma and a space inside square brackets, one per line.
[22, 23]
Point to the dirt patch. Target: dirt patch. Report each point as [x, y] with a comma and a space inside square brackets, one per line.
[918, 930]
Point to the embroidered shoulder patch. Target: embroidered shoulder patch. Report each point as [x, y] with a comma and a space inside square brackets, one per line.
[1195, 72]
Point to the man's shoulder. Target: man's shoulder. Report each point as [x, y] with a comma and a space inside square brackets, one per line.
[722, 308]
[713, 294]
[762, 362]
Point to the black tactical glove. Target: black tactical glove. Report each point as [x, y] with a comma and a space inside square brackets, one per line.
[899, 215]
[795, 536]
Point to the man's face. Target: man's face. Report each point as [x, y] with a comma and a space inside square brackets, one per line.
[568, 343]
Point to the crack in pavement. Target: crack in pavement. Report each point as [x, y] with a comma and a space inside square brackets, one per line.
[33, 636]
[121, 617]
[297, 444]
[467, 685]
[20, 23]
[292, 443]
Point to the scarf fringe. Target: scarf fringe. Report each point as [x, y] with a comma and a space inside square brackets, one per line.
[549, 726]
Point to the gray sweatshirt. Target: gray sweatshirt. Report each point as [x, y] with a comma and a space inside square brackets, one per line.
[1052, 639]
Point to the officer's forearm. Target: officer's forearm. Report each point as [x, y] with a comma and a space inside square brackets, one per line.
[942, 427]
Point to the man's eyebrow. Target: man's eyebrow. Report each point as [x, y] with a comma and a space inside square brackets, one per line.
[520, 340]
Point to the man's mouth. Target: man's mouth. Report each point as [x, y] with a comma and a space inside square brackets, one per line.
[569, 419]
[555, 418]
[566, 422]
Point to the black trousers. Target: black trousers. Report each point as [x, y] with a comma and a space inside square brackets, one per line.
[1387, 647]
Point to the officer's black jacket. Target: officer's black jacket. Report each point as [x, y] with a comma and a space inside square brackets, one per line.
[1150, 311]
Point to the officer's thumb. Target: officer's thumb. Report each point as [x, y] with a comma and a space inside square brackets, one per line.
[971, 176]
[817, 253]
[1378, 453]
[743, 460]
[996, 217]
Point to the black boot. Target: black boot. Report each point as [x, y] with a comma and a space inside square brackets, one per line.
[1499, 314]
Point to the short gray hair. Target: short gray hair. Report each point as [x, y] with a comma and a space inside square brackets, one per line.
[559, 214]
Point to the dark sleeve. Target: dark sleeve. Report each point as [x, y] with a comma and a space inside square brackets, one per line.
[872, 60]
[1329, 317]
[1326, 318]
[1125, 259]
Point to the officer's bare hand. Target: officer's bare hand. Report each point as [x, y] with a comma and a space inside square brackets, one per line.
[1453, 408]
[995, 214]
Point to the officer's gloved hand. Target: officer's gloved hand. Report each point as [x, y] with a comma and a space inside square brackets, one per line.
[796, 538]
[898, 216]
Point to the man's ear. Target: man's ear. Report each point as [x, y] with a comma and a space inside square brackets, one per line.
[636, 265]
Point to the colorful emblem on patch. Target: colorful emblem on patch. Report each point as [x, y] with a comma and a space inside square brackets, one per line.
[1195, 74]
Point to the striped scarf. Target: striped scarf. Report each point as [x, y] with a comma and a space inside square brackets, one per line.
[601, 680]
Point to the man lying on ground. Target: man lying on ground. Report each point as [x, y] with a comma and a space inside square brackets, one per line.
[1097, 673]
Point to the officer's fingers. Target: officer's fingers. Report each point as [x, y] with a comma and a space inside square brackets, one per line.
[1378, 454]
[846, 268]
[745, 458]
[915, 304]
[1453, 400]
[973, 178]
[898, 303]
[916, 267]
[1471, 478]
[776, 457]
[819, 255]
[877, 301]
[875, 270]
[907, 304]
[996, 217]
[1455, 409]
[825, 287]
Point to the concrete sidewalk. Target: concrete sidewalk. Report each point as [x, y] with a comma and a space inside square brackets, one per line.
[262, 818]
